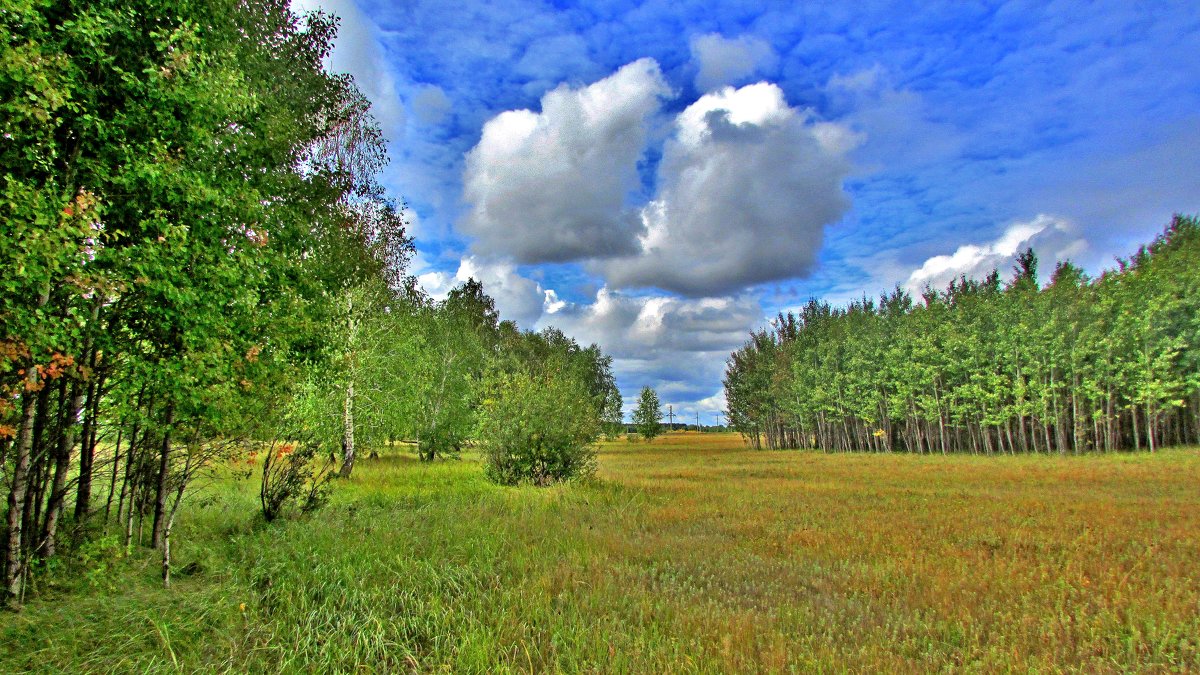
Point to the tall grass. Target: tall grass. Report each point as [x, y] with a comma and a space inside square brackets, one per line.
[691, 554]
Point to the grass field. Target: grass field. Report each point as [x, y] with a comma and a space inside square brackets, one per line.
[692, 554]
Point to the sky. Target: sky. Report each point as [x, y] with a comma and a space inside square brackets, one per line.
[660, 178]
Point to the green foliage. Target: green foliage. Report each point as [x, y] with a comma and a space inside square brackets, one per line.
[647, 417]
[184, 189]
[538, 427]
[1078, 365]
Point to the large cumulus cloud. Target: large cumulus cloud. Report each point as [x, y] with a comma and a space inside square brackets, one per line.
[552, 186]
[746, 187]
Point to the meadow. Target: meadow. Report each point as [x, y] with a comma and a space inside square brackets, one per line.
[690, 554]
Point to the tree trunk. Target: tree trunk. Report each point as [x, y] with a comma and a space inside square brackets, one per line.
[166, 549]
[20, 484]
[164, 474]
[83, 495]
[1137, 432]
[348, 431]
[112, 482]
[1149, 428]
[87, 459]
[62, 465]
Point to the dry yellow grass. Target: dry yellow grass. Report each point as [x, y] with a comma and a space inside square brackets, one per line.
[900, 562]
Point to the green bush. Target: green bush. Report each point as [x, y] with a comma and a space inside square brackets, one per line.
[538, 428]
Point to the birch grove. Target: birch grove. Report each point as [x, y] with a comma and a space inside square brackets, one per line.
[988, 367]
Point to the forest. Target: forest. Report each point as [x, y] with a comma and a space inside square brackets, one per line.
[199, 266]
[988, 367]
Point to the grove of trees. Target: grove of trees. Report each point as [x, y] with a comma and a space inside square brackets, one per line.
[988, 367]
[198, 264]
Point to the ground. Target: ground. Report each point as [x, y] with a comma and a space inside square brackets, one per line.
[689, 554]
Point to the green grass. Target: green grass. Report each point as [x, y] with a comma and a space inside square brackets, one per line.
[688, 555]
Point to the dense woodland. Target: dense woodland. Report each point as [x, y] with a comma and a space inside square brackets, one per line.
[988, 367]
[199, 267]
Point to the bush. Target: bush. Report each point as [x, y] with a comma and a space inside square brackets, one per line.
[293, 474]
[538, 428]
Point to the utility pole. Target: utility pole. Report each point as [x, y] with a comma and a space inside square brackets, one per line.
[698, 420]
[671, 416]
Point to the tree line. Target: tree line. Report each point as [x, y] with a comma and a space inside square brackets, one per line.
[199, 265]
[988, 367]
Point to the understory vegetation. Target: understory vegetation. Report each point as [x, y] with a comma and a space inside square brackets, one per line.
[986, 367]
[691, 554]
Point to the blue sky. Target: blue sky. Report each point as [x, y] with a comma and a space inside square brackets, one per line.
[662, 177]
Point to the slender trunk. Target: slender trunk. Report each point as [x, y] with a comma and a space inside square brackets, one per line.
[348, 431]
[83, 495]
[164, 474]
[125, 503]
[166, 548]
[1149, 428]
[16, 496]
[112, 482]
[128, 541]
[1075, 427]
[87, 459]
[62, 466]
[1137, 433]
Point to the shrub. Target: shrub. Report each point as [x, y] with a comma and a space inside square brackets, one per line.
[293, 474]
[538, 428]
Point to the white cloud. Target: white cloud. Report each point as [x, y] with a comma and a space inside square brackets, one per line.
[518, 298]
[721, 61]
[745, 190]
[712, 404]
[551, 186]
[639, 326]
[1053, 239]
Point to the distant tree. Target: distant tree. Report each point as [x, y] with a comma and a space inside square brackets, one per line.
[648, 415]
